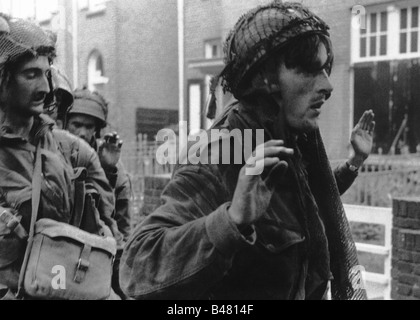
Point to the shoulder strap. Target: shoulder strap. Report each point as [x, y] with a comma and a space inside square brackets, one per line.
[36, 197]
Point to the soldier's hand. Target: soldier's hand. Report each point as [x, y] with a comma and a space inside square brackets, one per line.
[110, 150]
[253, 192]
[362, 138]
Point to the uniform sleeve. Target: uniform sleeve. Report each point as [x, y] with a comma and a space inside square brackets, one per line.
[185, 247]
[344, 177]
[123, 195]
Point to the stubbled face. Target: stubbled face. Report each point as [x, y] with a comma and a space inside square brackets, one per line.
[302, 95]
[28, 87]
[83, 126]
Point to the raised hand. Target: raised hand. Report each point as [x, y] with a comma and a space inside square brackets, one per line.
[253, 193]
[362, 136]
[110, 150]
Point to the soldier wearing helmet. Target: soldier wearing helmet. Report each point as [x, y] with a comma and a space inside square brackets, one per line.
[230, 232]
[26, 55]
[86, 118]
[60, 99]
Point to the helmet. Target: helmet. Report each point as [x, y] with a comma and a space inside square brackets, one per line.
[261, 32]
[19, 37]
[60, 98]
[90, 103]
[63, 89]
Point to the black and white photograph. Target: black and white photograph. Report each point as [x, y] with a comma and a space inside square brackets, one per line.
[209, 154]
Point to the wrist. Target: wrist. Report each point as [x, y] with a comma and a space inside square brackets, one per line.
[109, 168]
[239, 223]
[356, 161]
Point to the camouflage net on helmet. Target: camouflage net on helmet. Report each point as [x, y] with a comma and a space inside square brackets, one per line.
[261, 32]
[19, 37]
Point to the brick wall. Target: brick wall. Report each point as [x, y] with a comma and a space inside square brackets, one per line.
[406, 249]
[139, 44]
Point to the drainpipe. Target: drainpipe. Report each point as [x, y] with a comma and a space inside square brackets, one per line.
[75, 32]
[181, 72]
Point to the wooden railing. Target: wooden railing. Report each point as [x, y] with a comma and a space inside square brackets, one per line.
[383, 178]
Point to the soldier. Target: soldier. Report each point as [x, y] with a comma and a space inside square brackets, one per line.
[26, 55]
[228, 231]
[85, 119]
[60, 99]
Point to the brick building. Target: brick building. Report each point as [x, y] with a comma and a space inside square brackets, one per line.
[376, 66]
[127, 50]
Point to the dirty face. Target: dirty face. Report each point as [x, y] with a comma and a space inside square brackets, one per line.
[28, 87]
[302, 94]
[83, 126]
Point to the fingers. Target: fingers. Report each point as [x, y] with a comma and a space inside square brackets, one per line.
[372, 127]
[270, 149]
[267, 155]
[113, 138]
[366, 120]
[260, 165]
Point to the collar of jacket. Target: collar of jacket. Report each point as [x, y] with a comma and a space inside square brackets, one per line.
[243, 115]
[42, 125]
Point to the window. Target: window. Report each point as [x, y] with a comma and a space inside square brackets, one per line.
[389, 32]
[41, 10]
[92, 5]
[374, 39]
[96, 5]
[386, 72]
[96, 71]
[213, 49]
[409, 30]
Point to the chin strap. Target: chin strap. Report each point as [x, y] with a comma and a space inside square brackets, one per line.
[211, 104]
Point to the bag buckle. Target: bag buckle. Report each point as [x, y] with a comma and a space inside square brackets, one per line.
[83, 265]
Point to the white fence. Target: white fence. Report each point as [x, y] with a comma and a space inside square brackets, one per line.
[381, 216]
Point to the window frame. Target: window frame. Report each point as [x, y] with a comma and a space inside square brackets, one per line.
[377, 34]
[394, 31]
[209, 45]
[95, 78]
[92, 6]
[409, 30]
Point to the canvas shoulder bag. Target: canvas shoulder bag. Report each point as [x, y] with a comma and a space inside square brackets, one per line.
[63, 262]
